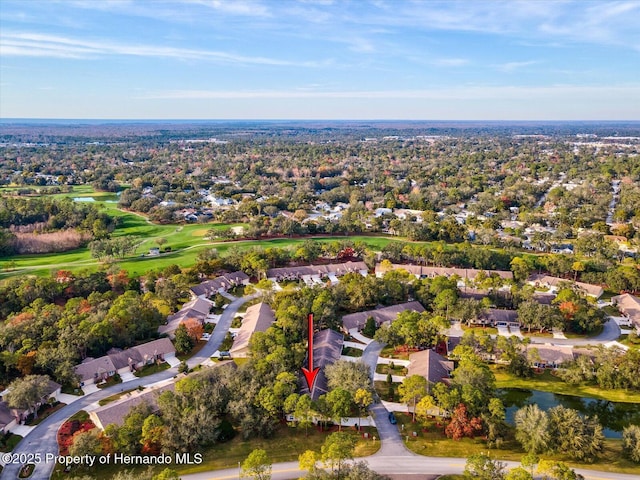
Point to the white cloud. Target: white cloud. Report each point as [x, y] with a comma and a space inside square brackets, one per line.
[42, 45]
[513, 66]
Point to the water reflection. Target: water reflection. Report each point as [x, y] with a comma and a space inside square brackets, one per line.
[613, 416]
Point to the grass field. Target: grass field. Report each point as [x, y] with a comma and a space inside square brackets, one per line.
[186, 241]
[547, 382]
[431, 441]
[286, 445]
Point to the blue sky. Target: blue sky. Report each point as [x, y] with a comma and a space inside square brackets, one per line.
[320, 59]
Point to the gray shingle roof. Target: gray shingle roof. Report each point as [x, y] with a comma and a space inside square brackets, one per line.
[321, 270]
[327, 349]
[380, 315]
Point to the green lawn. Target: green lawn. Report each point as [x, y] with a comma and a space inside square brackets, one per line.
[286, 445]
[10, 443]
[431, 441]
[547, 382]
[396, 370]
[151, 369]
[115, 397]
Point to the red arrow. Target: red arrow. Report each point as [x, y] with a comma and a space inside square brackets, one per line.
[311, 373]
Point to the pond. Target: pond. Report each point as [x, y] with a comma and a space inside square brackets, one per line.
[91, 199]
[613, 416]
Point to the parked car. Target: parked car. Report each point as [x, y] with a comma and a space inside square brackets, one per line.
[392, 418]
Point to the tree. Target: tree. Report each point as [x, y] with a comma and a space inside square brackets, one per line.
[412, 389]
[166, 474]
[257, 465]
[370, 327]
[552, 470]
[363, 398]
[86, 443]
[194, 329]
[532, 429]
[337, 449]
[482, 467]
[518, 473]
[631, 442]
[581, 437]
[340, 402]
[530, 460]
[349, 376]
[462, 425]
[183, 341]
[26, 393]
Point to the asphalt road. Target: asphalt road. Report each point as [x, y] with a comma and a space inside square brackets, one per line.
[42, 439]
[406, 464]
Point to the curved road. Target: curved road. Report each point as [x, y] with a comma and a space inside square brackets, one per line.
[42, 439]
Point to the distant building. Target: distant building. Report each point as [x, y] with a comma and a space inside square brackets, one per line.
[257, 319]
[210, 288]
[421, 271]
[316, 272]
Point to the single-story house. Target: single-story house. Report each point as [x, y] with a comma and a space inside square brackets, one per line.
[430, 365]
[124, 361]
[258, 318]
[629, 305]
[220, 284]
[554, 284]
[497, 316]
[12, 417]
[549, 356]
[316, 271]
[327, 349]
[380, 315]
[114, 412]
[420, 271]
[198, 308]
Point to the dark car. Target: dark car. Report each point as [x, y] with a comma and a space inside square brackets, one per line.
[392, 418]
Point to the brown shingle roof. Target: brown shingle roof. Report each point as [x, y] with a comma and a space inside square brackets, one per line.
[431, 365]
[94, 367]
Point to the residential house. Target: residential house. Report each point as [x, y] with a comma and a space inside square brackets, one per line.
[114, 412]
[315, 273]
[96, 370]
[12, 417]
[548, 355]
[327, 349]
[500, 317]
[629, 305]
[430, 365]
[221, 284]
[554, 284]
[421, 271]
[380, 315]
[257, 319]
[197, 309]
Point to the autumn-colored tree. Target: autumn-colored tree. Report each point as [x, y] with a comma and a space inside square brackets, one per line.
[25, 363]
[568, 309]
[462, 425]
[118, 280]
[194, 328]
